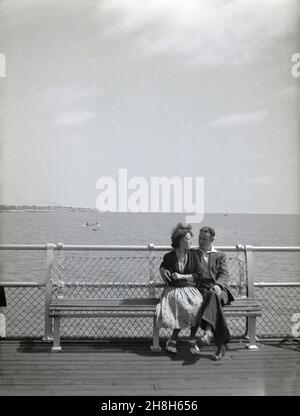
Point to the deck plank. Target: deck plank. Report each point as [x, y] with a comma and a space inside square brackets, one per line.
[99, 368]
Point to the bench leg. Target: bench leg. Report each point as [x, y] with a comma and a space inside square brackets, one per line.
[48, 336]
[56, 339]
[155, 347]
[251, 332]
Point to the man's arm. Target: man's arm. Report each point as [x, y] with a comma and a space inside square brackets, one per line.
[222, 277]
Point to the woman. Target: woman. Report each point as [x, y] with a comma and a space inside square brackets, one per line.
[181, 300]
[2, 296]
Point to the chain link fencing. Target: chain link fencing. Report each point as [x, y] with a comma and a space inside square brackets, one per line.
[94, 276]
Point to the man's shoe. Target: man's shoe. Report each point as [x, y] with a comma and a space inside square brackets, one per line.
[171, 346]
[205, 339]
[220, 353]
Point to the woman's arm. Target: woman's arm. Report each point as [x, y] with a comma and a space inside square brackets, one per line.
[165, 268]
[166, 275]
[191, 279]
[182, 280]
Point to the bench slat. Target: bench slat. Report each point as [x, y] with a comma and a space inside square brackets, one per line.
[132, 313]
[104, 302]
[240, 314]
[140, 303]
[104, 309]
[113, 306]
[237, 307]
[106, 315]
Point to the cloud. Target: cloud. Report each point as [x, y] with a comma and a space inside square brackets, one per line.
[203, 32]
[260, 180]
[65, 95]
[73, 117]
[75, 139]
[291, 93]
[239, 118]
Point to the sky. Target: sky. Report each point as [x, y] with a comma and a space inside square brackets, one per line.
[161, 88]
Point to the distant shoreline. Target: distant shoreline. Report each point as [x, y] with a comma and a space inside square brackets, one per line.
[58, 208]
[36, 208]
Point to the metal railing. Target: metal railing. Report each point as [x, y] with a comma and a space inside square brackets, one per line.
[27, 302]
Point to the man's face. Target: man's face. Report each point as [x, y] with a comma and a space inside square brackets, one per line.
[205, 240]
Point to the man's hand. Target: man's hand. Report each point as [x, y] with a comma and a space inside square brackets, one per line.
[217, 289]
[166, 275]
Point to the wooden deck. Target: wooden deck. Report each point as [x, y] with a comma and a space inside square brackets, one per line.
[99, 368]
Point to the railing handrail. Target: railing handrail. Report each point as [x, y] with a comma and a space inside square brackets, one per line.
[21, 284]
[42, 284]
[148, 247]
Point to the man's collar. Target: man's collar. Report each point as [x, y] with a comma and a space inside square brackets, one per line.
[212, 250]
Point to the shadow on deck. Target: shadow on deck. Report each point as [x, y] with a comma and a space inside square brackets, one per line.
[131, 368]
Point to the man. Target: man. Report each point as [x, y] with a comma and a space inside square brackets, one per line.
[214, 288]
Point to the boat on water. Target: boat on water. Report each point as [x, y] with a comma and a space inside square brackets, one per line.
[96, 225]
[91, 224]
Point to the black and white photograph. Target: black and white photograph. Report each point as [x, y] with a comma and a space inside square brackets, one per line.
[149, 201]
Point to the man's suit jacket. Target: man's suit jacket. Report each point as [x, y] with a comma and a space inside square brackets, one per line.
[218, 273]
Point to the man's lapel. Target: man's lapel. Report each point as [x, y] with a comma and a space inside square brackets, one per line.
[212, 259]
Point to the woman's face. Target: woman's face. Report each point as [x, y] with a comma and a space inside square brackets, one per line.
[186, 242]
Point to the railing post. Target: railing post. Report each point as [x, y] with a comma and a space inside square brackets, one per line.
[48, 336]
[60, 287]
[250, 271]
[241, 258]
[151, 271]
[251, 321]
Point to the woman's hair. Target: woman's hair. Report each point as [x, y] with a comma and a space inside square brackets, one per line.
[179, 232]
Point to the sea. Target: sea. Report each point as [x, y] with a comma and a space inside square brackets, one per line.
[69, 227]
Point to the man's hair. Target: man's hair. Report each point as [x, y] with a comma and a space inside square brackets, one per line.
[209, 230]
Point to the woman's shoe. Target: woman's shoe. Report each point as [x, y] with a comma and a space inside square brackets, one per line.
[194, 349]
[205, 339]
[220, 353]
[171, 346]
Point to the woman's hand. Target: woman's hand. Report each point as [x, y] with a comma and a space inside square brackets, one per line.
[176, 276]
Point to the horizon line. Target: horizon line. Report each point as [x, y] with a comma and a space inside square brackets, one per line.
[34, 206]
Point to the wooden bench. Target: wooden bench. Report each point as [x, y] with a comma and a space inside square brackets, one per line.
[103, 308]
[61, 305]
